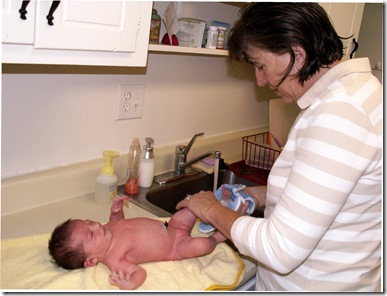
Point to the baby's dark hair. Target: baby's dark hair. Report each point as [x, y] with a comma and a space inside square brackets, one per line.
[61, 249]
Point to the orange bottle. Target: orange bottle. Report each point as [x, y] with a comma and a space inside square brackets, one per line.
[131, 185]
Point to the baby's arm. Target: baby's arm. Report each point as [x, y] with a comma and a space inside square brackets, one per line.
[116, 211]
[128, 278]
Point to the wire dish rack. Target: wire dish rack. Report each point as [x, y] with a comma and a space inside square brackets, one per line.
[258, 156]
[257, 151]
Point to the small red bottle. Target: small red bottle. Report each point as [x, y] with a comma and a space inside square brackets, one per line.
[131, 185]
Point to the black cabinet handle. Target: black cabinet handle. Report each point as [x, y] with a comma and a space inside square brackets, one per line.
[23, 10]
[355, 48]
[50, 15]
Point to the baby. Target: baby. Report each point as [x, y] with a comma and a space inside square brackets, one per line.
[122, 244]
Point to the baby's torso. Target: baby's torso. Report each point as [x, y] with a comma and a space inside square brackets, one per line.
[142, 240]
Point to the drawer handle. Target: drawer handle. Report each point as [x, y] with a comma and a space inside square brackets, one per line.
[50, 15]
[23, 10]
[355, 48]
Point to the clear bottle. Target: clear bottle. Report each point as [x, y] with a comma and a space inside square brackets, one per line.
[147, 165]
[154, 35]
[131, 185]
[212, 37]
[106, 183]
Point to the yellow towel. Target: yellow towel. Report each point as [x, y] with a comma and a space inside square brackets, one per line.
[25, 264]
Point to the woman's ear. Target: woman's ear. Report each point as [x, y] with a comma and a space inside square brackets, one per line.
[300, 57]
[91, 261]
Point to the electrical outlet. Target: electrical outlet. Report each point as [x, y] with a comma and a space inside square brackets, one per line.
[130, 101]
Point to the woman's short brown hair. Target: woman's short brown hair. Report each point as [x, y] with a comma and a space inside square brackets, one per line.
[277, 27]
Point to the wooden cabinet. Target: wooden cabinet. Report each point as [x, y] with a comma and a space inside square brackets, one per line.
[111, 33]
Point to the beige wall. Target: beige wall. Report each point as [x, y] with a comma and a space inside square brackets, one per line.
[56, 116]
[371, 36]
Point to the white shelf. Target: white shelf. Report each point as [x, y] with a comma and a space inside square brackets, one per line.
[186, 50]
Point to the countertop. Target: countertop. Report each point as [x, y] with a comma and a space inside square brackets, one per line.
[44, 219]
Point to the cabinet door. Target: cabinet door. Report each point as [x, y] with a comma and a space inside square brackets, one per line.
[346, 18]
[88, 25]
[15, 29]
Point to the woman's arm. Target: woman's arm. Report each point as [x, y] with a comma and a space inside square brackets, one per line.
[258, 193]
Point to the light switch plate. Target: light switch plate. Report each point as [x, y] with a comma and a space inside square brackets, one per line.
[130, 101]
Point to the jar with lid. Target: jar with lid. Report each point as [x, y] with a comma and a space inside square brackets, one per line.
[155, 25]
[212, 37]
[221, 36]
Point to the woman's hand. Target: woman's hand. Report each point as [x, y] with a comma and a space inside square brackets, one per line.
[207, 208]
[200, 204]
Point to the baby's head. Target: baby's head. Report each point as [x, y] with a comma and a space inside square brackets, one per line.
[62, 248]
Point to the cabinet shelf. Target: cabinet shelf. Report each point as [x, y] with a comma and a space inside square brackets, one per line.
[186, 50]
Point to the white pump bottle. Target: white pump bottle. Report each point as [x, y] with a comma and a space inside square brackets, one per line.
[147, 165]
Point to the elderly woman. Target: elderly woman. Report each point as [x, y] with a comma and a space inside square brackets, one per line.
[322, 225]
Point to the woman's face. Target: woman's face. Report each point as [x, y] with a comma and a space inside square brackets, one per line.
[269, 70]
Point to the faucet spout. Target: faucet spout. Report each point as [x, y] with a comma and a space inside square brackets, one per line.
[188, 147]
[181, 154]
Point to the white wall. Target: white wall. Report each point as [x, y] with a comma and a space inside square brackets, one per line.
[371, 36]
[55, 116]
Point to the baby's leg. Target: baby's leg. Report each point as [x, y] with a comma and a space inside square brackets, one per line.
[189, 247]
[184, 220]
[226, 196]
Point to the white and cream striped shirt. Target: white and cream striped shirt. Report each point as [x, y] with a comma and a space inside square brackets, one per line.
[322, 225]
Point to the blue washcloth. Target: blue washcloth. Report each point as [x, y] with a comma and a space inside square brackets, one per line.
[230, 196]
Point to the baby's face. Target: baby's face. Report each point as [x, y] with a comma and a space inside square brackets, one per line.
[92, 236]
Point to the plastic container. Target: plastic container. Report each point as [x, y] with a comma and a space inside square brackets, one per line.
[147, 165]
[154, 35]
[212, 37]
[131, 185]
[106, 183]
[221, 36]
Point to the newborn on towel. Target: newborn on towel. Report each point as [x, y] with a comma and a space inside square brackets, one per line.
[230, 196]
[26, 264]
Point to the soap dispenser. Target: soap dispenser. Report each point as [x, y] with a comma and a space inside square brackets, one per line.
[131, 185]
[147, 165]
[106, 183]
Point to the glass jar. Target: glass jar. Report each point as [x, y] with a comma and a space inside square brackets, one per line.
[212, 37]
[154, 34]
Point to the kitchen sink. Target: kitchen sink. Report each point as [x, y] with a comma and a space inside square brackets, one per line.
[161, 200]
[168, 196]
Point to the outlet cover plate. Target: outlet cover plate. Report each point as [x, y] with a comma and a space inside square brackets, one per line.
[130, 101]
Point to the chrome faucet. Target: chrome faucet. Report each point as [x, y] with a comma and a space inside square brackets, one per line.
[181, 153]
[181, 163]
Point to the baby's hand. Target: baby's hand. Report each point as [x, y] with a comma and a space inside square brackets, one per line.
[128, 278]
[121, 279]
[117, 203]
